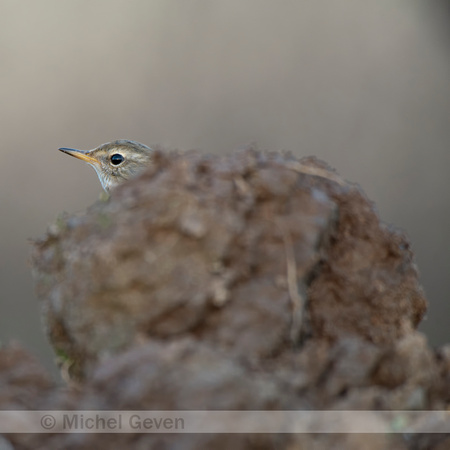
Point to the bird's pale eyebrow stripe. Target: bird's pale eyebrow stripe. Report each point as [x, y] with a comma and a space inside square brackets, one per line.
[137, 156]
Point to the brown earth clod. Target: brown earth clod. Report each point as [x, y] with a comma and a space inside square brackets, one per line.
[251, 281]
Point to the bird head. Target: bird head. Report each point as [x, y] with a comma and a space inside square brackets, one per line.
[115, 162]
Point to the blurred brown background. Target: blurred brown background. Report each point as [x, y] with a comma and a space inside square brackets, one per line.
[362, 85]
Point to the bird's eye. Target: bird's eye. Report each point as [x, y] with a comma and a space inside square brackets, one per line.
[117, 159]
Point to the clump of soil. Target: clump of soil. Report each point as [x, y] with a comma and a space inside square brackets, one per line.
[253, 281]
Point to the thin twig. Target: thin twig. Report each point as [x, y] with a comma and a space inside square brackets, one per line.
[294, 294]
[315, 171]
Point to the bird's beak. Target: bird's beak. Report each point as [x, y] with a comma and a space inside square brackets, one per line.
[80, 155]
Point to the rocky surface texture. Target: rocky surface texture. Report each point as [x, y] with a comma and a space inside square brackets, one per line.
[254, 281]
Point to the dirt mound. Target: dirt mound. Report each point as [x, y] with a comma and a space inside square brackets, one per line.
[253, 281]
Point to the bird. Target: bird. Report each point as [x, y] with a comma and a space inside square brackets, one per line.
[116, 161]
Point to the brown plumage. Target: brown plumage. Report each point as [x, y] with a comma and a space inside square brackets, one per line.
[115, 162]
